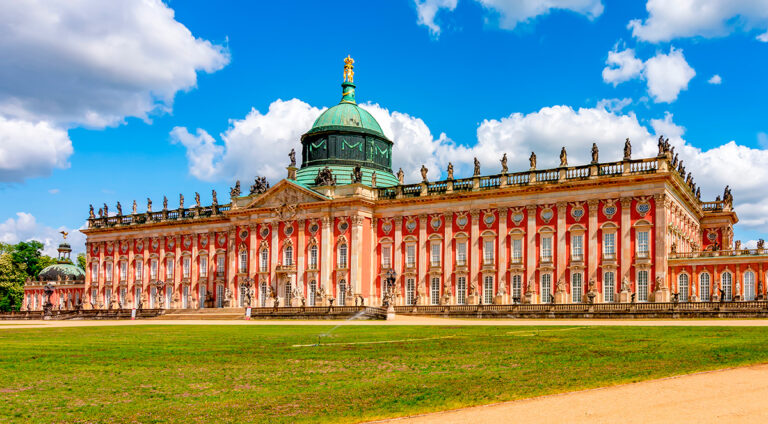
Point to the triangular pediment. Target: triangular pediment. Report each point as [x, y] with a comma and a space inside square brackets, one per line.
[285, 193]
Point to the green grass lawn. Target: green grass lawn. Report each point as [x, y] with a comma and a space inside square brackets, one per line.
[255, 374]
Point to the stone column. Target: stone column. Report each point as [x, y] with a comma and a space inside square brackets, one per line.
[355, 257]
[102, 282]
[177, 272]
[530, 255]
[660, 247]
[398, 249]
[211, 265]
[194, 273]
[626, 245]
[145, 273]
[592, 244]
[474, 250]
[501, 266]
[301, 225]
[423, 254]
[373, 294]
[131, 276]
[448, 252]
[274, 256]
[326, 265]
[560, 264]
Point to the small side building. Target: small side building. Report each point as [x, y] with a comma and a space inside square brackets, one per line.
[67, 280]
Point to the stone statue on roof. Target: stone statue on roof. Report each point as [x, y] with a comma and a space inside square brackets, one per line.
[349, 73]
[424, 171]
[235, 191]
[325, 177]
[627, 149]
[532, 160]
[215, 200]
[106, 210]
[260, 185]
[133, 210]
[181, 201]
[149, 204]
[165, 202]
[477, 168]
[90, 212]
[400, 176]
[450, 171]
[373, 179]
[292, 157]
[357, 175]
[197, 199]
[563, 157]
[504, 168]
[595, 153]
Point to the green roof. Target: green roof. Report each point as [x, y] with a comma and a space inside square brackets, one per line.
[343, 173]
[53, 272]
[346, 115]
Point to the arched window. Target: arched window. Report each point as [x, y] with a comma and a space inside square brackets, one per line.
[727, 286]
[342, 262]
[312, 292]
[288, 255]
[682, 287]
[342, 293]
[704, 287]
[609, 286]
[546, 288]
[642, 286]
[577, 286]
[488, 290]
[749, 285]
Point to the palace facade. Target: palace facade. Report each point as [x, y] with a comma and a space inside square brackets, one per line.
[342, 228]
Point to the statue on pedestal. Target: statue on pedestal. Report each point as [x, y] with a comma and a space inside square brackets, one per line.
[504, 168]
[627, 149]
[477, 168]
[595, 153]
[532, 160]
[450, 171]
[563, 157]
[424, 171]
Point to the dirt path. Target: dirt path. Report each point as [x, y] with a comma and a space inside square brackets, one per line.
[738, 395]
[400, 320]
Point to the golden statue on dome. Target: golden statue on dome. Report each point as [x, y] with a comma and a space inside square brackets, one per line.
[349, 74]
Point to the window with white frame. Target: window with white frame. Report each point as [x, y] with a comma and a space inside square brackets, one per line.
[609, 286]
[461, 253]
[435, 254]
[546, 248]
[313, 257]
[577, 247]
[546, 288]
[517, 251]
[643, 247]
[107, 297]
[410, 291]
[123, 270]
[577, 287]
[288, 255]
[108, 272]
[264, 261]
[488, 289]
[609, 245]
[488, 257]
[95, 272]
[220, 265]
[169, 269]
[243, 261]
[138, 272]
[704, 287]
[342, 262]
[749, 285]
[386, 257]
[683, 287]
[410, 255]
[642, 286]
[153, 269]
[461, 290]
[203, 266]
[263, 295]
[94, 296]
[434, 294]
[185, 266]
[727, 282]
[517, 287]
[137, 297]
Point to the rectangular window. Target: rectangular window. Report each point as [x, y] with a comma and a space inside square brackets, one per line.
[577, 287]
[461, 290]
[546, 249]
[203, 266]
[139, 271]
[517, 288]
[386, 257]
[488, 252]
[342, 256]
[546, 288]
[185, 266]
[410, 256]
[169, 269]
[642, 244]
[94, 272]
[434, 295]
[461, 253]
[609, 245]
[704, 287]
[577, 247]
[108, 272]
[313, 257]
[288, 256]
[517, 251]
[642, 286]
[609, 286]
[220, 265]
[264, 260]
[243, 259]
[94, 297]
[153, 269]
[137, 297]
[488, 290]
[435, 254]
[410, 291]
[123, 271]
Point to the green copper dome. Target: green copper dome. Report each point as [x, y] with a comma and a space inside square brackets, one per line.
[346, 115]
[63, 271]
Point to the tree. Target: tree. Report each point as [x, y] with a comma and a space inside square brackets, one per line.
[27, 256]
[81, 260]
[12, 279]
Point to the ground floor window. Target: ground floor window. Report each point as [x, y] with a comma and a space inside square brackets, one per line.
[107, 297]
[152, 297]
[243, 295]
[312, 292]
[609, 286]
[435, 291]
[577, 287]
[137, 297]
[342, 293]
[168, 297]
[727, 282]
[642, 286]
[682, 287]
[220, 296]
[488, 289]
[410, 288]
[289, 294]
[263, 294]
[704, 287]
[122, 300]
[461, 290]
[749, 285]
[517, 287]
[201, 296]
[185, 297]
[546, 288]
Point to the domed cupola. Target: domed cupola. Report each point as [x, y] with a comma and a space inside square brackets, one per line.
[343, 137]
[64, 269]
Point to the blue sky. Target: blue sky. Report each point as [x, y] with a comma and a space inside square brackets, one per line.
[150, 99]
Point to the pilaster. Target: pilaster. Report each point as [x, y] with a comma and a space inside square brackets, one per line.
[447, 251]
[530, 254]
[626, 244]
[592, 244]
[325, 251]
[474, 250]
[560, 269]
[501, 266]
[355, 259]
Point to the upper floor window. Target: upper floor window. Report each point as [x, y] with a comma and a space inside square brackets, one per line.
[609, 245]
[153, 269]
[204, 266]
[461, 253]
[342, 255]
[577, 247]
[642, 244]
[95, 271]
[517, 251]
[288, 255]
[108, 272]
[488, 252]
[264, 260]
[546, 249]
[386, 257]
[169, 268]
[123, 271]
[185, 266]
[243, 261]
[139, 271]
[313, 257]
[435, 254]
[410, 255]
[220, 265]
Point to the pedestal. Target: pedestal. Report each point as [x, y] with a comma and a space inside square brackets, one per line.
[661, 295]
[715, 298]
[390, 313]
[625, 297]
[561, 297]
[472, 299]
[529, 297]
[295, 302]
[498, 300]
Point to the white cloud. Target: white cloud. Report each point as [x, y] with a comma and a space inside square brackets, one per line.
[614, 105]
[665, 74]
[25, 228]
[668, 20]
[54, 191]
[763, 37]
[509, 12]
[716, 80]
[762, 140]
[31, 149]
[426, 10]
